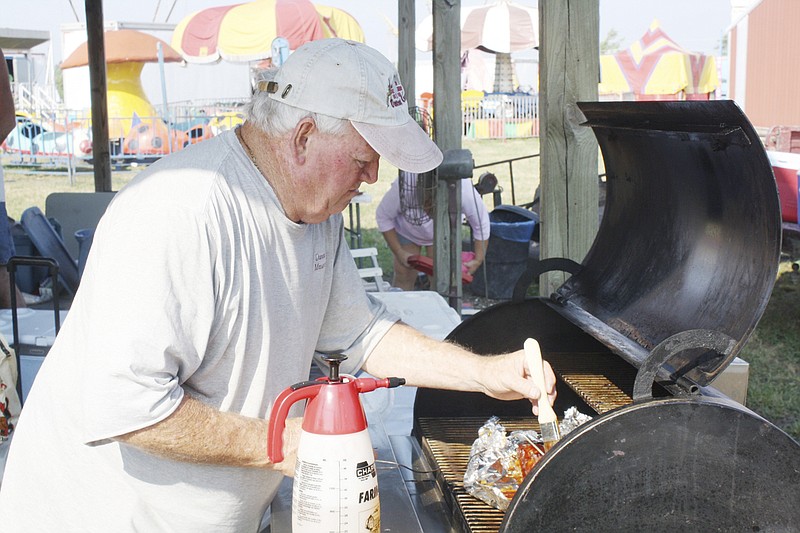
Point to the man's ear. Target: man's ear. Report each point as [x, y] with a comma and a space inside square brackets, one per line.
[300, 137]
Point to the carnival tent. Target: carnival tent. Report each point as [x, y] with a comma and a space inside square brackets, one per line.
[656, 68]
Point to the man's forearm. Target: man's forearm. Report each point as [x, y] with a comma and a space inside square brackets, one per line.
[198, 433]
[425, 362]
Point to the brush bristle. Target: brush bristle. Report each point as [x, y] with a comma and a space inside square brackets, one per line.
[550, 433]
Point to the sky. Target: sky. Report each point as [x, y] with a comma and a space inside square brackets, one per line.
[697, 25]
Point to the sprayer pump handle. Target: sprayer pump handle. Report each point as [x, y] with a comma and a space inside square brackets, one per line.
[334, 360]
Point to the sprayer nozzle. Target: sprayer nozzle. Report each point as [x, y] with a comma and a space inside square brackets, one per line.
[396, 382]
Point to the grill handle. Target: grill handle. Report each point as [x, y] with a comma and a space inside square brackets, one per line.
[720, 343]
[537, 267]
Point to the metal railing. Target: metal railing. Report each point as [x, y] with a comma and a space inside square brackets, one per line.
[65, 141]
[496, 115]
[38, 101]
[510, 163]
[58, 137]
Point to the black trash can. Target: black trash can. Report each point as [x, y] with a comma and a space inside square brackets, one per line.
[512, 231]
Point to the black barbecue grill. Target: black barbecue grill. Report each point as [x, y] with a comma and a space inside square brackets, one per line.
[679, 274]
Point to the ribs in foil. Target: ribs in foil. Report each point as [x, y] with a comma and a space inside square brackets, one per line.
[499, 461]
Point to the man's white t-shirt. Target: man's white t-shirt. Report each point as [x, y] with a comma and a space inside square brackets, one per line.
[196, 283]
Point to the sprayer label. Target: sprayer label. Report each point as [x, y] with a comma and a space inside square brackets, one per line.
[336, 485]
[367, 495]
[365, 470]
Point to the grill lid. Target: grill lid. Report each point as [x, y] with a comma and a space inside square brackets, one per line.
[676, 464]
[689, 244]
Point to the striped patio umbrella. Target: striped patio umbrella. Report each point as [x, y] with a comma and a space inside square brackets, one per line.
[501, 28]
[245, 32]
[339, 23]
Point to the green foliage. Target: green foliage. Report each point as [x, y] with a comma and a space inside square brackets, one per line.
[611, 43]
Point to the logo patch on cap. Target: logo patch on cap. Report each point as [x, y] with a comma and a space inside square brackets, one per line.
[395, 95]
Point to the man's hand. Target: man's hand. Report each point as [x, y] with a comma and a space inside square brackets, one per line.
[507, 378]
[425, 362]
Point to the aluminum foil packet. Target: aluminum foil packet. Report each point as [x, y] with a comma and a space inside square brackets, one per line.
[499, 461]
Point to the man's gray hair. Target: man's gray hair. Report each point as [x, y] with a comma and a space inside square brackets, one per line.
[275, 117]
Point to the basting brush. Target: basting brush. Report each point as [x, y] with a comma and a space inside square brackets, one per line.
[548, 421]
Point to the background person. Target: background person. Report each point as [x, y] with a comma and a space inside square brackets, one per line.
[150, 411]
[8, 121]
[408, 231]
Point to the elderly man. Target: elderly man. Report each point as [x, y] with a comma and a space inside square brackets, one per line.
[214, 277]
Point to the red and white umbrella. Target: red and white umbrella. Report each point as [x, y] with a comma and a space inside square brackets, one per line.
[245, 32]
[501, 27]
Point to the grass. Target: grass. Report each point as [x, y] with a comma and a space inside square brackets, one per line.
[26, 187]
[772, 351]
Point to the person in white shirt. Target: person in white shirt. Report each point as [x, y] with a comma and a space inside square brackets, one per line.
[407, 225]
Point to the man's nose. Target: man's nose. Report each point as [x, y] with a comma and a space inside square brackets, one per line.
[370, 172]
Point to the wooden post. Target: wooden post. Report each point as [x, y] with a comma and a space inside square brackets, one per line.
[569, 73]
[447, 134]
[447, 73]
[97, 82]
[406, 51]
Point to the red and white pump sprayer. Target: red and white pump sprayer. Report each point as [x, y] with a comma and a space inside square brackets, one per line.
[335, 483]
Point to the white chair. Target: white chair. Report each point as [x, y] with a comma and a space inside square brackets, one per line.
[373, 274]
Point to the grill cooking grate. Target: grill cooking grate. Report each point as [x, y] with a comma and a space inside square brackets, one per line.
[447, 442]
[602, 380]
